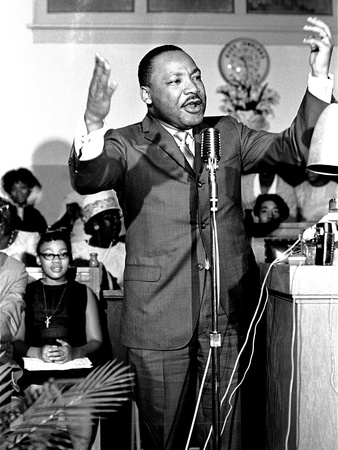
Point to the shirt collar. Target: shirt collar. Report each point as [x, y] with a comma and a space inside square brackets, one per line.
[172, 130]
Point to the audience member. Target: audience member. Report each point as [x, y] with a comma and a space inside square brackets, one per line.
[269, 211]
[255, 184]
[166, 316]
[313, 196]
[17, 243]
[24, 189]
[13, 281]
[102, 222]
[61, 317]
[70, 217]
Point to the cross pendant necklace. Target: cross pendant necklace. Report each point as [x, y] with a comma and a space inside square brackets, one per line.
[49, 318]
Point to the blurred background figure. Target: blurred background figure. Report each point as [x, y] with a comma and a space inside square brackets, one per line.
[269, 211]
[24, 191]
[314, 194]
[255, 184]
[14, 242]
[102, 218]
[13, 281]
[71, 216]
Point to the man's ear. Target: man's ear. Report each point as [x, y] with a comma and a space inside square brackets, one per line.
[38, 260]
[145, 95]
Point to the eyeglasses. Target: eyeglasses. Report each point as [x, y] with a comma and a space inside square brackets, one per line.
[51, 256]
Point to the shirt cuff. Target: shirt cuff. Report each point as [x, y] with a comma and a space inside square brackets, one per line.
[88, 145]
[321, 88]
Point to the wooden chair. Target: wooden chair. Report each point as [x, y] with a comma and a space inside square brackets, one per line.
[114, 300]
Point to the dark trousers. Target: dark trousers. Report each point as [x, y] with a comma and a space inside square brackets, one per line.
[167, 384]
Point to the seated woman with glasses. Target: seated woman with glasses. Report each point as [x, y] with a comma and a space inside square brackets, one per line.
[61, 318]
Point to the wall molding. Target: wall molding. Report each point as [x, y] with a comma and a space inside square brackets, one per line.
[183, 28]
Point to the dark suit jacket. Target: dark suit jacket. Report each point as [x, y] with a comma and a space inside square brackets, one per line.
[166, 208]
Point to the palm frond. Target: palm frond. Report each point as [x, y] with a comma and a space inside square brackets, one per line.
[5, 382]
[100, 392]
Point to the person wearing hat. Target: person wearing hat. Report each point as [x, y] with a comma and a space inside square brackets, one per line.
[101, 214]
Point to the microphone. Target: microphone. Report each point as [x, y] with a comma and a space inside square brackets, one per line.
[210, 145]
[210, 154]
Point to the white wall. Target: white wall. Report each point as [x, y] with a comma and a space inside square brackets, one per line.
[44, 88]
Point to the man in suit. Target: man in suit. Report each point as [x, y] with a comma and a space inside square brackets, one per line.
[166, 318]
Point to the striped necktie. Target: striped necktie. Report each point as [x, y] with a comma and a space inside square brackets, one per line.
[189, 156]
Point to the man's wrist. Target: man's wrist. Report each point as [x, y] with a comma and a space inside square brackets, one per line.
[323, 75]
[321, 88]
[88, 144]
[93, 123]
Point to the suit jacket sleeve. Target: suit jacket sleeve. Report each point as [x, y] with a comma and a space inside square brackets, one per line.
[259, 150]
[288, 153]
[94, 175]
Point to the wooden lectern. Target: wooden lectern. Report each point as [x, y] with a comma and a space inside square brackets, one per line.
[302, 329]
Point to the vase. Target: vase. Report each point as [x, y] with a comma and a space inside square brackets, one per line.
[252, 119]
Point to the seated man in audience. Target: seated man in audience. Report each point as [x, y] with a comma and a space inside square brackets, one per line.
[14, 242]
[269, 211]
[24, 190]
[102, 222]
[256, 184]
[13, 281]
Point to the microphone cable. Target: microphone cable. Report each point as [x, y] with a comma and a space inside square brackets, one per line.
[217, 276]
[280, 258]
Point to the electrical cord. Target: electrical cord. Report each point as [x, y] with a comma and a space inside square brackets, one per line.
[217, 277]
[280, 258]
[198, 399]
[292, 375]
[253, 326]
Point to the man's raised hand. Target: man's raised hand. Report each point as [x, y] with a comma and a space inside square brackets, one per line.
[320, 41]
[99, 95]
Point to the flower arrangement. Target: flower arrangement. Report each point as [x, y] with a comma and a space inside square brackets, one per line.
[244, 97]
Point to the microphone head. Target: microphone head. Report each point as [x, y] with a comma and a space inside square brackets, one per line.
[210, 144]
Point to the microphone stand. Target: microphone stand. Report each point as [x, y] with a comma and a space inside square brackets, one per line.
[215, 335]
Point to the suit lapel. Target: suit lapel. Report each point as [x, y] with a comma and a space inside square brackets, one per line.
[158, 135]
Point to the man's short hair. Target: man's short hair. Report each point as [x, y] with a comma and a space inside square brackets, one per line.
[277, 199]
[146, 64]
